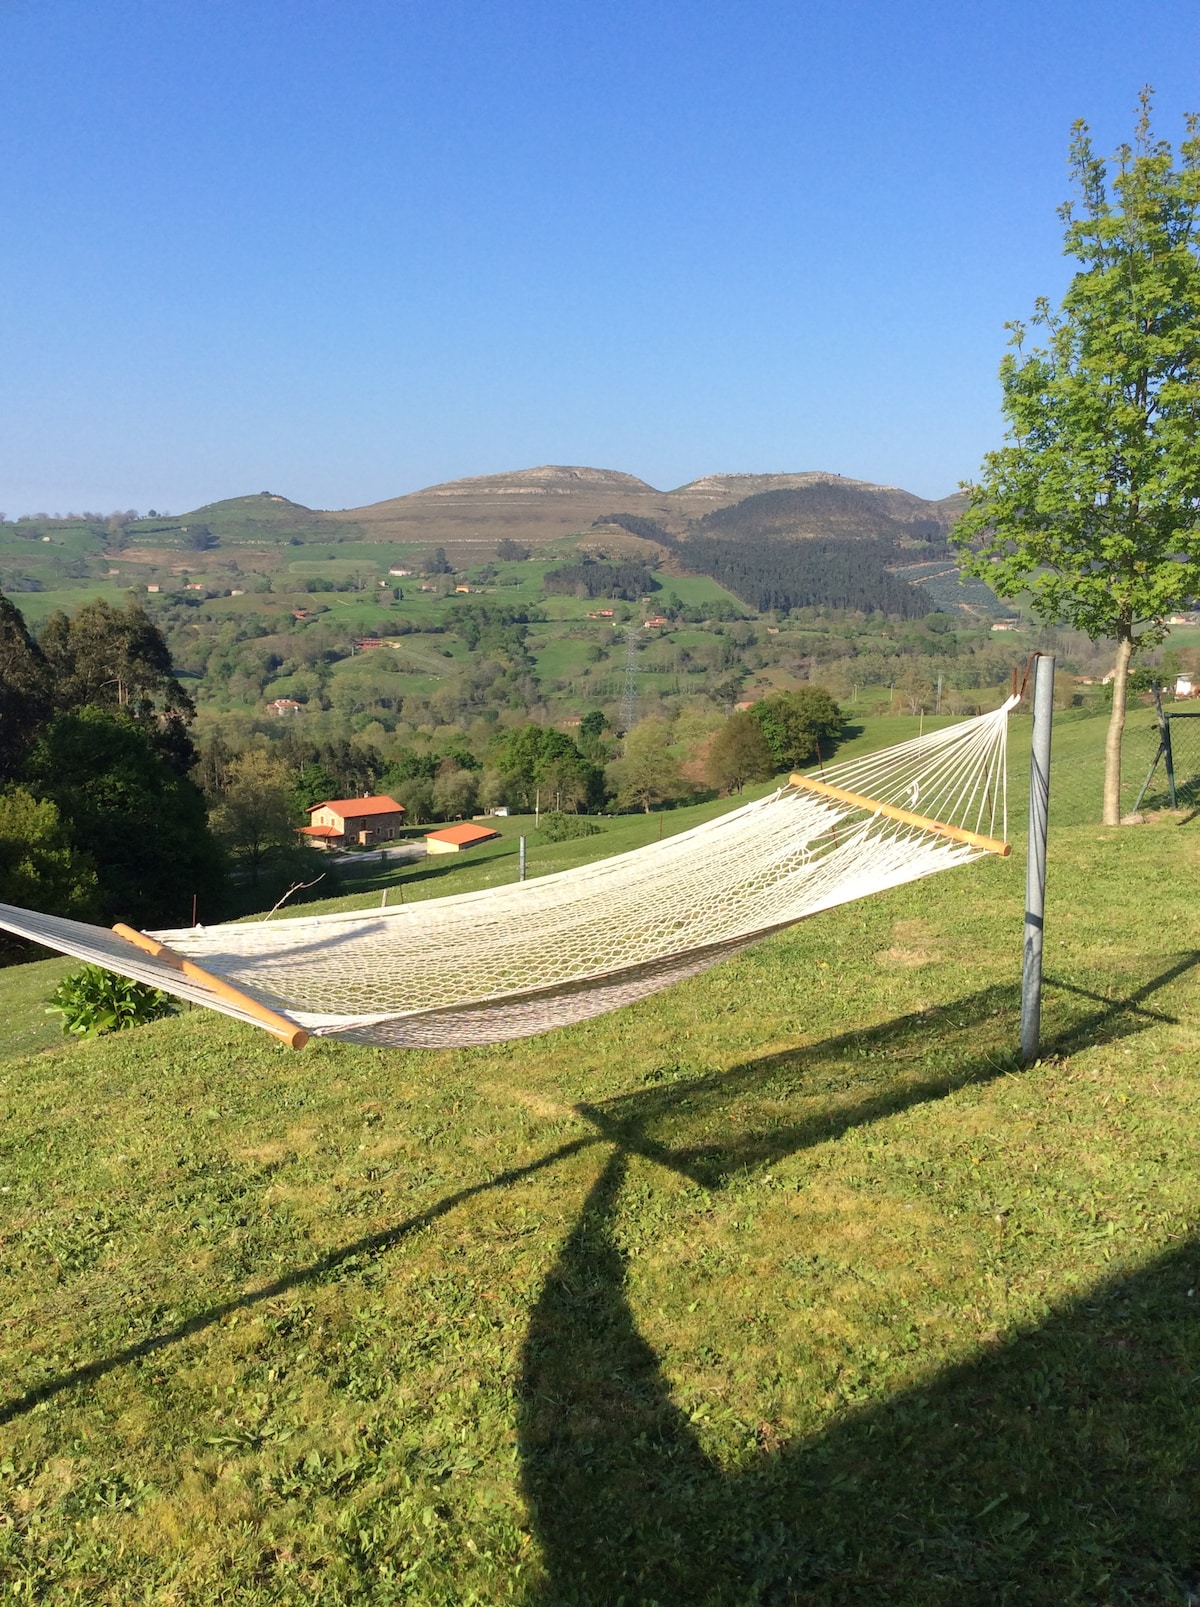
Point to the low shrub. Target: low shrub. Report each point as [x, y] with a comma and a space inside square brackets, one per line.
[92, 1000]
[559, 827]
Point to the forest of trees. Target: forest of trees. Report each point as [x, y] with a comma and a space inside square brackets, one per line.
[781, 574]
[761, 551]
[596, 578]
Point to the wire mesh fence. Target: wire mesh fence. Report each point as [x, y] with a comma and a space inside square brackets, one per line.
[1077, 765]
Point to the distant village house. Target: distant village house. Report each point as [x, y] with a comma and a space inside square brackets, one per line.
[284, 705]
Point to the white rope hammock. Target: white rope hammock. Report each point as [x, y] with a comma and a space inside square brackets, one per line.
[512, 961]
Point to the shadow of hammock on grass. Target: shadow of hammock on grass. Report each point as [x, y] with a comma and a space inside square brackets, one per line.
[1060, 1467]
[662, 1123]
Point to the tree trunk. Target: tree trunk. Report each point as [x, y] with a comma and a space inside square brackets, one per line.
[1116, 727]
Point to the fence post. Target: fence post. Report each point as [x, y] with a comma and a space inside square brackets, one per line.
[1035, 871]
[521, 876]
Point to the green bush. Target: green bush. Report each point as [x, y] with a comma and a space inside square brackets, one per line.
[559, 827]
[91, 1001]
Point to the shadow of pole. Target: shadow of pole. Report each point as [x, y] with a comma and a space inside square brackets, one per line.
[615, 1478]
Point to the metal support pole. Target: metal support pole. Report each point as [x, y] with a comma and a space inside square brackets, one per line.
[1035, 874]
[521, 876]
[1164, 728]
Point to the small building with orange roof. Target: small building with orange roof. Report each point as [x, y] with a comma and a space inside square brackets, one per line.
[453, 839]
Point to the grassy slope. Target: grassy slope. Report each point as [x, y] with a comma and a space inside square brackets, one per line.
[785, 1285]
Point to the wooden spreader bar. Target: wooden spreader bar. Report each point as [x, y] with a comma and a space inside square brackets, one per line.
[295, 1037]
[957, 834]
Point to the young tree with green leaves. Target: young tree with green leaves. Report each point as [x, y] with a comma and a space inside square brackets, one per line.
[739, 752]
[455, 793]
[415, 793]
[647, 773]
[1092, 506]
[126, 806]
[112, 658]
[256, 816]
[39, 869]
[799, 725]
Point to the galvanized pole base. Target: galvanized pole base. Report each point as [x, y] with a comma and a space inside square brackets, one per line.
[1035, 874]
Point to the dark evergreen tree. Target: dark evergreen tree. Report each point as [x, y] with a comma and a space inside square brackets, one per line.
[127, 807]
[25, 688]
[116, 658]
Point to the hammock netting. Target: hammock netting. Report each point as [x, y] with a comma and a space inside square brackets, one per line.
[512, 961]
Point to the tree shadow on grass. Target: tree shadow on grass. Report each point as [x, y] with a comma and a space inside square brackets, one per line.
[856, 1078]
[1062, 1467]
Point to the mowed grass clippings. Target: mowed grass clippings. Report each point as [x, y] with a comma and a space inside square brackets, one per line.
[785, 1286]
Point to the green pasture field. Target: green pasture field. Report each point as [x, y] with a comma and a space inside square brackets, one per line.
[556, 607]
[339, 568]
[696, 590]
[563, 658]
[787, 1285]
[379, 555]
[39, 557]
[37, 606]
[437, 655]
[690, 636]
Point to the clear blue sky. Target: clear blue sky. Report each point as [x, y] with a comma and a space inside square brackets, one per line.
[341, 249]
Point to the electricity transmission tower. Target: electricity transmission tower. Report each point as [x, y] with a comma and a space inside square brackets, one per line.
[629, 700]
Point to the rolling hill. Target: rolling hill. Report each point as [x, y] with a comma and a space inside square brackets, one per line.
[778, 540]
[546, 504]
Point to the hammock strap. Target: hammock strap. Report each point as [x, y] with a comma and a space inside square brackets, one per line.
[823, 789]
[295, 1037]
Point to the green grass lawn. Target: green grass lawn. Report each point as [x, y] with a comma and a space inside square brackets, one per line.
[697, 590]
[786, 1286]
[37, 606]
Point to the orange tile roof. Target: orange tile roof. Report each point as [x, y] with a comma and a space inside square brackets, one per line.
[466, 833]
[382, 805]
[319, 831]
